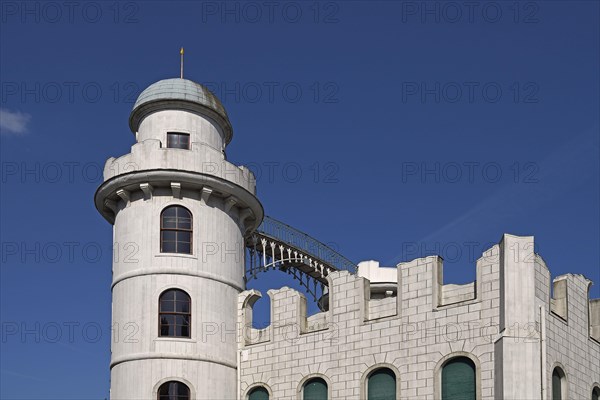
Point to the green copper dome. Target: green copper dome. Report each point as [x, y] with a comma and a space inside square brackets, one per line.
[179, 93]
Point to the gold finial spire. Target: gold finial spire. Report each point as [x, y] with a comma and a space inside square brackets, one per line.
[181, 53]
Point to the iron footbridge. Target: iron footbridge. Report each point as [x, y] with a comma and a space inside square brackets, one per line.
[278, 246]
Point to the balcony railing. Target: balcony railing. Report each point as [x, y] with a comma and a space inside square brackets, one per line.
[310, 246]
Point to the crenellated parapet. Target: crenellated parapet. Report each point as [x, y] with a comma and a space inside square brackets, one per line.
[570, 303]
[408, 319]
[417, 287]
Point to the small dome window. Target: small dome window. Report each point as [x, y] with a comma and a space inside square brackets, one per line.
[177, 140]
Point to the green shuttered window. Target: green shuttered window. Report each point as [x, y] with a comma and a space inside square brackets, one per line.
[315, 389]
[381, 385]
[458, 379]
[259, 393]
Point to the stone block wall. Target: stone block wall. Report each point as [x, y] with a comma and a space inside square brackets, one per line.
[427, 323]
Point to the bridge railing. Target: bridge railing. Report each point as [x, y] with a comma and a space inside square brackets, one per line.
[308, 245]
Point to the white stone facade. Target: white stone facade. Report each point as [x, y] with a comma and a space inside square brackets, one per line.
[505, 322]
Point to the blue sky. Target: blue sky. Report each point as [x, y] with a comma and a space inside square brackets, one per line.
[391, 130]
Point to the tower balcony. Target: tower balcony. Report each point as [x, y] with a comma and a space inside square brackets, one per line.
[200, 158]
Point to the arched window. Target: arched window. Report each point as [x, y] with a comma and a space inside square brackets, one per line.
[315, 389]
[174, 313]
[458, 379]
[258, 393]
[596, 393]
[381, 385]
[176, 230]
[559, 387]
[173, 390]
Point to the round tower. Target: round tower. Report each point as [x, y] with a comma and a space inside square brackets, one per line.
[180, 212]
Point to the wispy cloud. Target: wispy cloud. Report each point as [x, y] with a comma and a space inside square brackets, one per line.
[13, 122]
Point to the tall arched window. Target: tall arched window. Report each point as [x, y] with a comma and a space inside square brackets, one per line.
[176, 230]
[258, 393]
[174, 313]
[315, 389]
[381, 385]
[173, 390]
[458, 379]
[596, 393]
[559, 387]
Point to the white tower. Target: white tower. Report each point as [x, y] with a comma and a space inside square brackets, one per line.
[180, 213]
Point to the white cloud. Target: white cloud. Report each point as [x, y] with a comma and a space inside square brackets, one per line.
[13, 122]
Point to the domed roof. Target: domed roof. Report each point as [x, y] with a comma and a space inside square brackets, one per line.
[178, 90]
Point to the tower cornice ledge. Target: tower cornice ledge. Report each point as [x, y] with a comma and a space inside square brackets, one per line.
[189, 181]
[172, 271]
[171, 356]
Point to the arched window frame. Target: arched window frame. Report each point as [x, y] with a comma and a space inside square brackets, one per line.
[306, 379]
[595, 387]
[564, 381]
[176, 229]
[189, 314]
[159, 384]
[437, 391]
[364, 381]
[256, 385]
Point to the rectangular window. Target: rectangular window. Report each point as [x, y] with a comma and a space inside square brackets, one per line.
[176, 140]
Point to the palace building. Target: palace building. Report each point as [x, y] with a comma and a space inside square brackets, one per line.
[382, 333]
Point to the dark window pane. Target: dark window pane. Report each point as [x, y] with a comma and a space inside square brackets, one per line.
[183, 331]
[170, 212]
[169, 236]
[184, 248]
[183, 213]
[164, 330]
[178, 140]
[172, 331]
[181, 295]
[184, 236]
[184, 223]
[169, 295]
[173, 391]
[168, 247]
[167, 306]
[166, 327]
[182, 307]
[169, 223]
